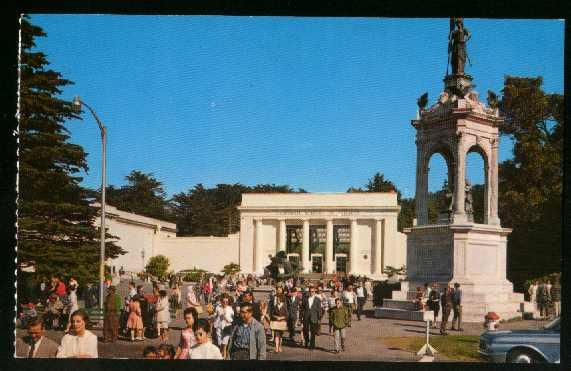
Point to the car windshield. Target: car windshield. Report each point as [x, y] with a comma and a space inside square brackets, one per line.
[553, 325]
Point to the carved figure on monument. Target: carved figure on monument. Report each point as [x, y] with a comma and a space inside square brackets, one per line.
[450, 201]
[445, 204]
[468, 202]
[457, 39]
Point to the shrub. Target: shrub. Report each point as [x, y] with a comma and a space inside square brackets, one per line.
[231, 269]
[158, 266]
[192, 275]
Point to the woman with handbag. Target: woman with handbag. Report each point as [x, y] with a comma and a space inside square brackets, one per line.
[265, 317]
[191, 300]
[279, 321]
[162, 315]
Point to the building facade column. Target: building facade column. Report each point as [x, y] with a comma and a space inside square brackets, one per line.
[305, 258]
[389, 242]
[377, 252]
[329, 258]
[353, 248]
[282, 236]
[258, 246]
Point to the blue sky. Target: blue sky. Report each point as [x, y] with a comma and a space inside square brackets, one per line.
[316, 103]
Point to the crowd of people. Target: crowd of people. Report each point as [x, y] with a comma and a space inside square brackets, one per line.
[222, 318]
[546, 297]
[447, 302]
[234, 325]
[56, 299]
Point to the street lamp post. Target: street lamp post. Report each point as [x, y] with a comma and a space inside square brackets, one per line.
[77, 103]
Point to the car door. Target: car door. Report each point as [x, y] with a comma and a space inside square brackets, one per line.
[551, 340]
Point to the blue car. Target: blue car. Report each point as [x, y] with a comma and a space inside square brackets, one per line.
[522, 346]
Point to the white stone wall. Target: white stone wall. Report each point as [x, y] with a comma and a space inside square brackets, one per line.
[136, 234]
[209, 253]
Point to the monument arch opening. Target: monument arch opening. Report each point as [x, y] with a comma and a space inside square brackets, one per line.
[476, 185]
[439, 195]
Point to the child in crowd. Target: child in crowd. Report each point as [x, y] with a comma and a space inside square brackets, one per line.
[150, 352]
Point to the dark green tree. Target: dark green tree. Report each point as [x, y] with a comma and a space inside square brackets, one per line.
[531, 183]
[55, 219]
[378, 183]
[143, 194]
[213, 211]
[158, 266]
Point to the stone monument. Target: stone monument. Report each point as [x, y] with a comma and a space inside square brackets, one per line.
[456, 249]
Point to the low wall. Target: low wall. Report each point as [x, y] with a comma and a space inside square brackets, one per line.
[209, 253]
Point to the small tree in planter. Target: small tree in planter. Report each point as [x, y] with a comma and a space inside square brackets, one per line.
[158, 266]
[192, 275]
[231, 269]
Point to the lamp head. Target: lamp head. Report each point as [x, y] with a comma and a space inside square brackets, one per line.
[76, 104]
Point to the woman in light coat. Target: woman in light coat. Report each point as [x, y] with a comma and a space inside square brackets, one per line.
[162, 315]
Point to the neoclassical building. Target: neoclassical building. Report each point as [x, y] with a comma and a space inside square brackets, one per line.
[324, 232]
[354, 233]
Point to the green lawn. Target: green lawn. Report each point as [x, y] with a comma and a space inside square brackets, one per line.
[454, 347]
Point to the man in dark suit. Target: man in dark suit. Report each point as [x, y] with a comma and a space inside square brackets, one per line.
[446, 301]
[294, 303]
[35, 344]
[310, 317]
[248, 297]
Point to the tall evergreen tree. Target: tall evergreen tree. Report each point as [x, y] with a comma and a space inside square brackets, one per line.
[531, 183]
[143, 194]
[55, 221]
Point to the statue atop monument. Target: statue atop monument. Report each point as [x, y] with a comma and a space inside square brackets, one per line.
[457, 38]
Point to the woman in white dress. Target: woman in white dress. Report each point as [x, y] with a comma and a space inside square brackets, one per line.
[204, 349]
[224, 316]
[79, 343]
[162, 315]
[73, 305]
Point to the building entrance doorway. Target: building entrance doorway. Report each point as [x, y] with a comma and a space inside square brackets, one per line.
[316, 263]
[341, 263]
[293, 259]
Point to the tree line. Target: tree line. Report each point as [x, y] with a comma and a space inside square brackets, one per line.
[55, 220]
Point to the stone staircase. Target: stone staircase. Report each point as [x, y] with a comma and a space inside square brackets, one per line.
[402, 306]
[403, 310]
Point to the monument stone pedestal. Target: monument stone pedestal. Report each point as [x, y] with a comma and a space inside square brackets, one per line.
[474, 255]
